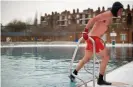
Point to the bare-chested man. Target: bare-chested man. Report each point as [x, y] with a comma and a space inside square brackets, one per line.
[100, 25]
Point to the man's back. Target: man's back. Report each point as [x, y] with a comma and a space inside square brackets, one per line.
[101, 25]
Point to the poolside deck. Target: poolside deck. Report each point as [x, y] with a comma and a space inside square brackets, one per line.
[120, 77]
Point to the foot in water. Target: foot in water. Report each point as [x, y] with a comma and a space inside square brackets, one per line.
[102, 82]
[72, 78]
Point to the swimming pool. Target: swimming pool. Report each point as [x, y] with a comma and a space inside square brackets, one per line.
[48, 66]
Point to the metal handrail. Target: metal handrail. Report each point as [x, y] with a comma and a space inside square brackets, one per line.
[73, 57]
[94, 60]
[94, 55]
[74, 54]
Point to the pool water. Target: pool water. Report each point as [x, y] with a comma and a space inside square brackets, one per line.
[49, 66]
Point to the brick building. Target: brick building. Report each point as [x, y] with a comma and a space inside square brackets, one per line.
[67, 26]
[120, 31]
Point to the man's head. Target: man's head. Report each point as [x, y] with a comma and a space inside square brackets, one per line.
[117, 9]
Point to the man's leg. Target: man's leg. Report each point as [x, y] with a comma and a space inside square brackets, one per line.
[103, 65]
[84, 60]
[81, 63]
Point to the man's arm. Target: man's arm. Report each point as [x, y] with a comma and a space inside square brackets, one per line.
[89, 24]
[93, 20]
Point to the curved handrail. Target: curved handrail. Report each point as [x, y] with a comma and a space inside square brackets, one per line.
[74, 54]
[94, 55]
[94, 60]
[73, 57]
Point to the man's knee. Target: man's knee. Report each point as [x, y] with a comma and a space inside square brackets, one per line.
[82, 61]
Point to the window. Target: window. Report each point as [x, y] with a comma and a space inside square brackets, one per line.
[77, 16]
[123, 37]
[69, 22]
[69, 17]
[86, 21]
[78, 21]
[59, 17]
[63, 22]
[63, 17]
[80, 15]
[117, 20]
[83, 16]
[46, 23]
[86, 15]
[89, 15]
[83, 22]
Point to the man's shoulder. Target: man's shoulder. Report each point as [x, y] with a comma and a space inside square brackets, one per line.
[105, 14]
[102, 14]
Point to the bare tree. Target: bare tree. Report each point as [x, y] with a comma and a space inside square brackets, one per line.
[16, 26]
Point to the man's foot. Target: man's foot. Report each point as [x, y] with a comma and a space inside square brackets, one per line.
[72, 78]
[102, 82]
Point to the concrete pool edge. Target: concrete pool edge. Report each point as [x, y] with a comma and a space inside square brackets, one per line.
[119, 75]
[122, 74]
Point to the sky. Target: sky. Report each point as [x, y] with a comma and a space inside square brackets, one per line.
[25, 10]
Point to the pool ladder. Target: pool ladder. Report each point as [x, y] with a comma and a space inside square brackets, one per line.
[94, 61]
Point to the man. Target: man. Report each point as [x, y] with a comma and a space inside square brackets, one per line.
[100, 25]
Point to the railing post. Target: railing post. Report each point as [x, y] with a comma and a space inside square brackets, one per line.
[94, 56]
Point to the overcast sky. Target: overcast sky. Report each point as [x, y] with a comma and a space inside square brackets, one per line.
[25, 9]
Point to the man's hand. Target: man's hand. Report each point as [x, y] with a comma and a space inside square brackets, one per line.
[85, 35]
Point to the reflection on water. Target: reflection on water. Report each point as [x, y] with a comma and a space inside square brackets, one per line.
[54, 52]
[48, 66]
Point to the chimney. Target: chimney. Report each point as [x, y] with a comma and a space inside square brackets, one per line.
[73, 11]
[52, 13]
[128, 7]
[77, 10]
[35, 19]
[45, 14]
[98, 9]
[103, 9]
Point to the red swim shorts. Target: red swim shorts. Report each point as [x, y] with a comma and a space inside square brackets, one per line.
[98, 43]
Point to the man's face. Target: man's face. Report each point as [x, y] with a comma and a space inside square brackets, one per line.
[119, 13]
